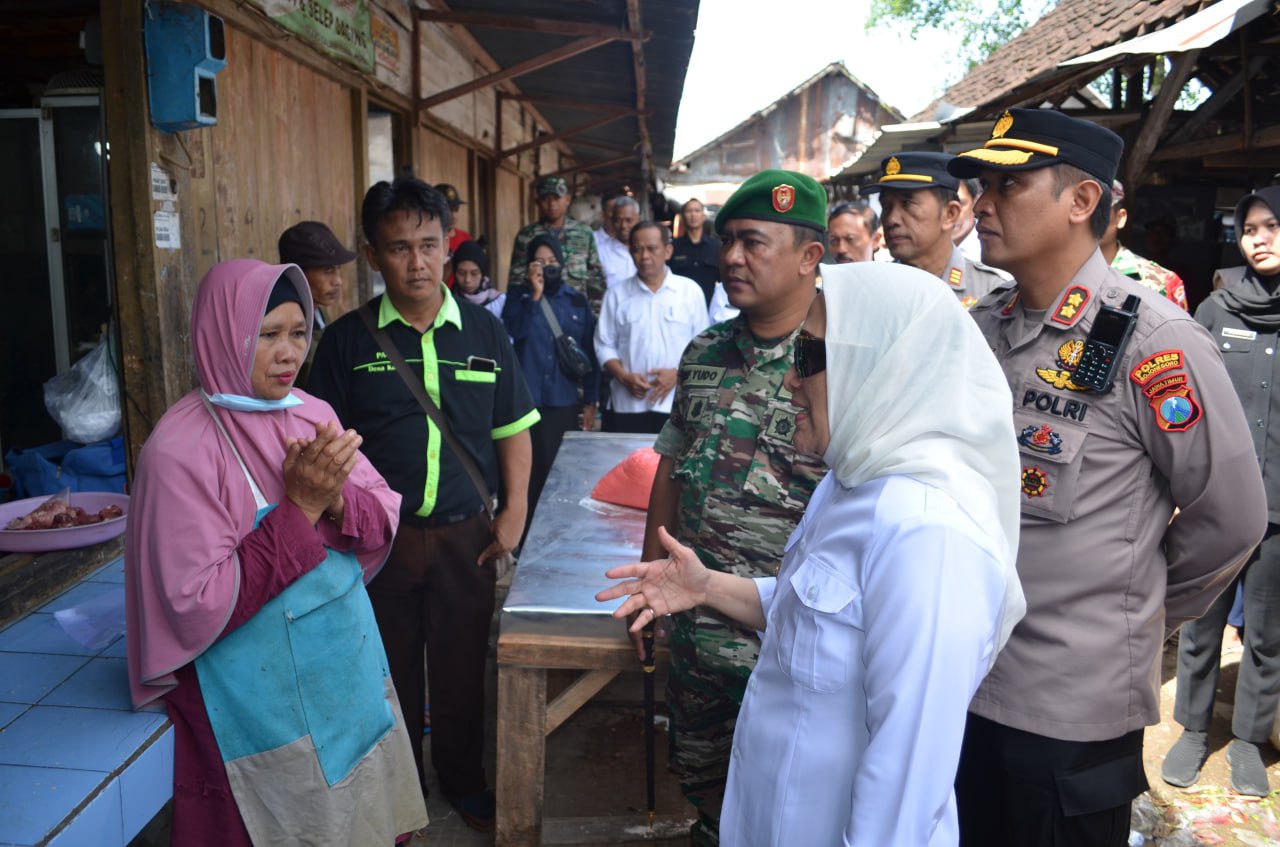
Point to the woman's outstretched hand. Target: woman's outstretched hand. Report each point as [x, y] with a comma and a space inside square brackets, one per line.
[655, 589]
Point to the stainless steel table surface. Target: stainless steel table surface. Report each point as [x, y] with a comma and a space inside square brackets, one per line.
[573, 541]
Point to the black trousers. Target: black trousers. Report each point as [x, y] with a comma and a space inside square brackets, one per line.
[1019, 789]
[1200, 651]
[546, 436]
[639, 422]
[431, 594]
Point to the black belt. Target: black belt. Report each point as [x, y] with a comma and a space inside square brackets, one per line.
[436, 521]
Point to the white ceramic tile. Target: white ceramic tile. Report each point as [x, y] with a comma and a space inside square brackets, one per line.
[26, 677]
[97, 823]
[35, 800]
[100, 684]
[146, 785]
[86, 739]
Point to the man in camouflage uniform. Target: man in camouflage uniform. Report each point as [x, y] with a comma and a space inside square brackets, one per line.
[1146, 272]
[730, 483]
[582, 269]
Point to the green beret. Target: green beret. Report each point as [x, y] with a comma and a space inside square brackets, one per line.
[784, 196]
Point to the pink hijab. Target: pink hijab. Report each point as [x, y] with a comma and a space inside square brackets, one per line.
[191, 505]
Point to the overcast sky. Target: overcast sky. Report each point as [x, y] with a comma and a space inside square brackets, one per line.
[748, 53]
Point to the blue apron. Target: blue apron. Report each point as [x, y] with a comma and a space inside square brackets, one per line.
[310, 663]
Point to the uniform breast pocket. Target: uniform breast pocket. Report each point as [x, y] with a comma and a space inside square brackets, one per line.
[819, 626]
[778, 474]
[1051, 450]
[473, 390]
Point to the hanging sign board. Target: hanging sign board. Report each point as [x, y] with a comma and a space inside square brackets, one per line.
[340, 28]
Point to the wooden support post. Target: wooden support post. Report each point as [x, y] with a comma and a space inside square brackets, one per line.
[360, 183]
[575, 697]
[1158, 118]
[646, 142]
[522, 695]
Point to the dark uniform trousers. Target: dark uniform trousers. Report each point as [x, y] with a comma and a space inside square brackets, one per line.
[432, 593]
[1200, 651]
[1019, 789]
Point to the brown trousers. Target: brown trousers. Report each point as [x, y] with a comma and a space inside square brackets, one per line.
[431, 594]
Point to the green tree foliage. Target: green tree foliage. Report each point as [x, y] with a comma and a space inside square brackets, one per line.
[982, 26]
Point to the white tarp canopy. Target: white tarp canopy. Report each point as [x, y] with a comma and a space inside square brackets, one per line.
[1207, 26]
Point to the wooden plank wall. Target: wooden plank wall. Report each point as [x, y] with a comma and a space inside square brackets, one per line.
[282, 152]
[511, 201]
[440, 159]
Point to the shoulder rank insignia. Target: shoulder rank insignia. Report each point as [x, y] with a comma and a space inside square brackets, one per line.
[1069, 353]
[784, 197]
[1041, 439]
[893, 167]
[1035, 482]
[1008, 307]
[955, 277]
[1154, 365]
[1002, 126]
[1071, 304]
[1176, 408]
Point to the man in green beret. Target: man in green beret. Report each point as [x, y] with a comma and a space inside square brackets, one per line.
[730, 483]
[582, 268]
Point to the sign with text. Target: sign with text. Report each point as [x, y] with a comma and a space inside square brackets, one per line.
[340, 28]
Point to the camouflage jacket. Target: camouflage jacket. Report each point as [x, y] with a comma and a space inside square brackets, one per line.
[1151, 275]
[743, 485]
[582, 271]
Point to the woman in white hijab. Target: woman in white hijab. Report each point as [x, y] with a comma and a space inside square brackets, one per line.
[896, 590]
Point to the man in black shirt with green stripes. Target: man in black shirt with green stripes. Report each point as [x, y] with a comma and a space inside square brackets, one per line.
[436, 589]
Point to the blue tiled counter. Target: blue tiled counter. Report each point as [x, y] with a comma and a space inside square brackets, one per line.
[78, 766]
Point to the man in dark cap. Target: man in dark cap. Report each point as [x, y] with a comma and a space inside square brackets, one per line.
[457, 235]
[313, 247]
[1124, 415]
[919, 207]
[730, 482]
[582, 268]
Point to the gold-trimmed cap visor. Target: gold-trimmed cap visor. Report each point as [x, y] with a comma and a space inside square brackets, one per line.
[1025, 139]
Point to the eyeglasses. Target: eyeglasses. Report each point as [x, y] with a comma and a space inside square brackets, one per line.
[811, 355]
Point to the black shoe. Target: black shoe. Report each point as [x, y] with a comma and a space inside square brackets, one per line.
[476, 810]
[1182, 765]
[1248, 774]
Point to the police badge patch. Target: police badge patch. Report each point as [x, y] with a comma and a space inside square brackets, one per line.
[1176, 408]
[1035, 482]
[1041, 439]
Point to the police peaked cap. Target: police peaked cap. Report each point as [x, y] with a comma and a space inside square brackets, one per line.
[915, 170]
[1025, 139]
[783, 196]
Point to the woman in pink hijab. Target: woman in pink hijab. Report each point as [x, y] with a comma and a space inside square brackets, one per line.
[254, 525]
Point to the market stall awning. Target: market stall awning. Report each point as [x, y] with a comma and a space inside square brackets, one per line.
[1195, 32]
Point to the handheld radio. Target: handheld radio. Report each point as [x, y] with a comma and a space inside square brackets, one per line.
[1105, 345]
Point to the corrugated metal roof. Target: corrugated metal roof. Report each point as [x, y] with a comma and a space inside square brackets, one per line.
[602, 76]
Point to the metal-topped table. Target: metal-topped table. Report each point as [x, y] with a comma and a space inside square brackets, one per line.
[552, 620]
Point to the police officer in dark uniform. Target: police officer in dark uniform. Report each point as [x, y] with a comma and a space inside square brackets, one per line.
[919, 207]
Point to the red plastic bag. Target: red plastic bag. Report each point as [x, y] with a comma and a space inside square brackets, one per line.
[630, 482]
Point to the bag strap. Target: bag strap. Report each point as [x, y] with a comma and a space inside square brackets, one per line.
[551, 317]
[424, 400]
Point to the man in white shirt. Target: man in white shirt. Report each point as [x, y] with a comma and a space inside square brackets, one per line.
[615, 252]
[645, 323]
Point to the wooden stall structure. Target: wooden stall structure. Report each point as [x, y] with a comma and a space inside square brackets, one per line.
[815, 128]
[1189, 84]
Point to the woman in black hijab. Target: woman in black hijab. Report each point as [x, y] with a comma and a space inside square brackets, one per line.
[1244, 319]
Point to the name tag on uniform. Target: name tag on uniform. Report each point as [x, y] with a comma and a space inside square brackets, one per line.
[1242, 334]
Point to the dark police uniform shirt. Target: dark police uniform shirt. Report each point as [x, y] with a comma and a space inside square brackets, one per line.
[699, 262]
[1107, 575]
[482, 406]
[1249, 351]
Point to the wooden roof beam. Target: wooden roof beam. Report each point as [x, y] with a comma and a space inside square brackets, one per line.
[1222, 95]
[570, 103]
[545, 26]
[590, 166]
[1158, 118]
[568, 51]
[564, 133]
[1263, 137]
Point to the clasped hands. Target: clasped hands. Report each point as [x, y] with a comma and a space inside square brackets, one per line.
[655, 386]
[315, 469]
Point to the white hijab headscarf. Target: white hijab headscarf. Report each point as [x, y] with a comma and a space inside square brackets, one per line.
[913, 389]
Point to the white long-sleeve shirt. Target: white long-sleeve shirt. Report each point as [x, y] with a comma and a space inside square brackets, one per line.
[647, 330]
[615, 258]
[880, 624]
